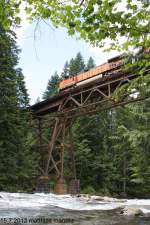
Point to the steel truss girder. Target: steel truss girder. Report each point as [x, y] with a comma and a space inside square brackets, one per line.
[82, 101]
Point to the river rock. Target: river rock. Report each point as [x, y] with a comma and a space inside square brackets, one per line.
[130, 211]
[100, 198]
[108, 199]
[97, 198]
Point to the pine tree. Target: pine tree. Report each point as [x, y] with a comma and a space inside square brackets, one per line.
[72, 68]
[140, 161]
[90, 64]
[65, 72]
[79, 62]
[130, 147]
[92, 152]
[16, 159]
[76, 65]
[23, 96]
[52, 86]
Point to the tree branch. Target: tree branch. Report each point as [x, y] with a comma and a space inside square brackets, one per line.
[81, 3]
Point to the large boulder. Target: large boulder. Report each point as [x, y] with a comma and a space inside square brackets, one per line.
[131, 211]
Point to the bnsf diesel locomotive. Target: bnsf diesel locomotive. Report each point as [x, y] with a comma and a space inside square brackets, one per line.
[93, 74]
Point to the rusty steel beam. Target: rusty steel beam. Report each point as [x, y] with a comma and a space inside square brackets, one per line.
[94, 111]
[51, 145]
[62, 150]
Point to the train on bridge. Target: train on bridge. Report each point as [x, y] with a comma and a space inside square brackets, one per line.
[92, 74]
[97, 73]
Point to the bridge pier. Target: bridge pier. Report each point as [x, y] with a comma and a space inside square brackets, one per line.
[43, 184]
[52, 161]
[52, 157]
[61, 187]
[74, 187]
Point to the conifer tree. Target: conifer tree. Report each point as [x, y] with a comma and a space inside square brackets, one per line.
[16, 160]
[52, 86]
[72, 68]
[76, 65]
[23, 96]
[90, 64]
[65, 72]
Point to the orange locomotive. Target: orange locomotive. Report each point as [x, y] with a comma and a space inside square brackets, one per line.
[91, 75]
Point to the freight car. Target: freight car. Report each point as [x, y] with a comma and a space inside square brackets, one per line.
[92, 74]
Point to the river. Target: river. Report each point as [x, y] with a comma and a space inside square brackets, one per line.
[39, 208]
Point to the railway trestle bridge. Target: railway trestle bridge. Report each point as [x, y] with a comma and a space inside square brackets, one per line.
[59, 112]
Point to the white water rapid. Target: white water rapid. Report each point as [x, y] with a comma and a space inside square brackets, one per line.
[39, 200]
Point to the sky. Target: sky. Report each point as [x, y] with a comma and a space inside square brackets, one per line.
[45, 50]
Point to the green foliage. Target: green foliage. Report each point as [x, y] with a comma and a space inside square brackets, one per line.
[76, 65]
[89, 190]
[22, 94]
[52, 86]
[96, 21]
[136, 64]
[9, 14]
[16, 159]
[112, 151]
[90, 64]
[92, 153]
[65, 72]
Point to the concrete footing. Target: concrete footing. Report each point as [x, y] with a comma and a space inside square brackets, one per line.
[43, 184]
[74, 187]
[60, 187]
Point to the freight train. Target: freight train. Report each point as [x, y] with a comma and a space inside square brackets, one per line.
[93, 74]
[105, 70]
